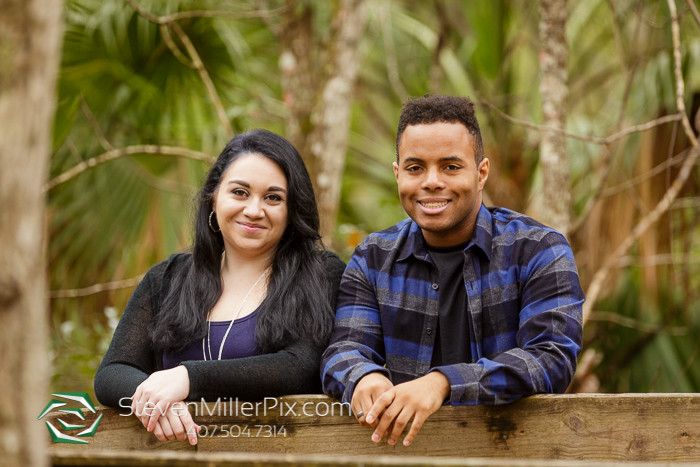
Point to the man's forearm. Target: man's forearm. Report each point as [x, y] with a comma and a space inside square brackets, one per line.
[344, 368]
[510, 376]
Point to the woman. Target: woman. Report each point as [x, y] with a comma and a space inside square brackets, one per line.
[247, 314]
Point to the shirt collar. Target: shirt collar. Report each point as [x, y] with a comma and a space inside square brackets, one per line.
[483, 231]
[414, 244]
[481, 238]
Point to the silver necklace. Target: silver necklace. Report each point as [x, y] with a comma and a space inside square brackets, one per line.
[223, 341]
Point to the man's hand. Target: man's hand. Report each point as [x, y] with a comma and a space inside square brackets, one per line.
[415, 400]
[367, 391]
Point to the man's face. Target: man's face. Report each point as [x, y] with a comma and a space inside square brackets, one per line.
[439, 183]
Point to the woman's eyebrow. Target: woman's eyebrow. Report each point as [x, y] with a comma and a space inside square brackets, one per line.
[247, 185]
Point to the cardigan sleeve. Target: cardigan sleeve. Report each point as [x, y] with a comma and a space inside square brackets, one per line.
[292, 370]
[130, 357]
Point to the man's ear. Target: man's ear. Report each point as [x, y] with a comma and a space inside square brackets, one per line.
[483, 172]
[396, 171]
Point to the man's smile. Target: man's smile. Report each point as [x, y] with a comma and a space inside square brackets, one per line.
[433, 205]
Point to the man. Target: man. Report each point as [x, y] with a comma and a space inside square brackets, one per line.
[459, 303]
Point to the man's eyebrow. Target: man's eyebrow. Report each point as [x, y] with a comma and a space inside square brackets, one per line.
[247, 185]
[450, 159]
[411, 160]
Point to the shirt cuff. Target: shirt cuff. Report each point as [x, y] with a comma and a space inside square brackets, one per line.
[464, 390]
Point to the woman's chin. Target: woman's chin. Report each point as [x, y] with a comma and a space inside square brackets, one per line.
[252, 245]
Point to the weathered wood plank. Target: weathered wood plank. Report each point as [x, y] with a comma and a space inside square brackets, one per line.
[623, 427]
[182, 459]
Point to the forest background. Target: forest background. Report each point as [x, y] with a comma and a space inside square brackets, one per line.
[150, 91]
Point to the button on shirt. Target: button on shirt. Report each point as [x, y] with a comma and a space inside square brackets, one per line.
[524, 304]
[452, 344]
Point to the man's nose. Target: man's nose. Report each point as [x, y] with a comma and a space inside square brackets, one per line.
[433, 180]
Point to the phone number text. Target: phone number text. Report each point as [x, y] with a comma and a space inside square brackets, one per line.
[242, 431]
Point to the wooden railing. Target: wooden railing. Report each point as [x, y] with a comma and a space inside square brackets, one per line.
[601, 428]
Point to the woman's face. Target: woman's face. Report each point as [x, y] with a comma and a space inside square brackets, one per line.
[251, 206]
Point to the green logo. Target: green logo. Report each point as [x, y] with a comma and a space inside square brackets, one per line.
[57, 436]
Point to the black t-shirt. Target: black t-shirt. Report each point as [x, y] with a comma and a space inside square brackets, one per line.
[452, 342]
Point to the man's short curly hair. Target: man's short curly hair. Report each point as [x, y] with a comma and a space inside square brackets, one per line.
[441, 109]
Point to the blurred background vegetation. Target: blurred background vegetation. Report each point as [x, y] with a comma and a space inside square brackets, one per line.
[122, 85]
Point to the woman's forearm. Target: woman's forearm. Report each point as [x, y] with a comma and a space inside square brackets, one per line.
[292, 370]
[115, 383]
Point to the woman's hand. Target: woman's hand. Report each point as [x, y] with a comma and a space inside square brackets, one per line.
[154, 397]
[176, 425]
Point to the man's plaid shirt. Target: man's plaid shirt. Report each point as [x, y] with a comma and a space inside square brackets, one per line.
[524, 305]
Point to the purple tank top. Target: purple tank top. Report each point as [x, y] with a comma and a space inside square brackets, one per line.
[239, 343]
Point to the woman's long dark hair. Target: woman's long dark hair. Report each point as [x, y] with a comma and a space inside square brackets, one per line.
[297, 302]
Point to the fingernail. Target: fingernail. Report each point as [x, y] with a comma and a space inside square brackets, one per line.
[369, 419]
[406, 442]
[375, 437]
[391, 442]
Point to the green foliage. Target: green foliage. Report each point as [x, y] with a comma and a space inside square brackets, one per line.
[116, 220]
[637, 360]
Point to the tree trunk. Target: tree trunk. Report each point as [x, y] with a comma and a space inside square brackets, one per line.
[554, 90]
[298, 77]
[30, 38]
[318, 83]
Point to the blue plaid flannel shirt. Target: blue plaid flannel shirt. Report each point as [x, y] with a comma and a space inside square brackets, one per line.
[524, 305]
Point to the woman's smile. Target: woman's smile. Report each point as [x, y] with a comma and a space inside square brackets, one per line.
[251, 228]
